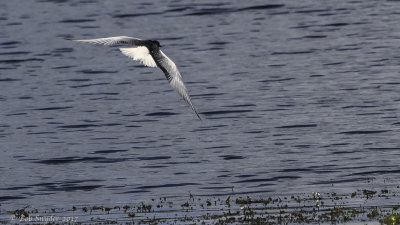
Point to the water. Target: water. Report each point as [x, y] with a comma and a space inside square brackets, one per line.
[296, 96]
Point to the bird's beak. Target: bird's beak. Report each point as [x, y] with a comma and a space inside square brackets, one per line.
[160, 46]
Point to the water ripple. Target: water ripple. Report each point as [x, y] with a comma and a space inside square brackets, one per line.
[257, 180]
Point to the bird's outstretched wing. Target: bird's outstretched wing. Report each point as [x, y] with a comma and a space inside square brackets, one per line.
[175, 79]
[120, 40]
[140, 53]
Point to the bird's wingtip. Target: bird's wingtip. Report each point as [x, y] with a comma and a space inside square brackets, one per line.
[69, 39]
[198, 115]
[77, 40]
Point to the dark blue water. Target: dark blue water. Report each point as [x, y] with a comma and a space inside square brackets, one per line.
[295, 96]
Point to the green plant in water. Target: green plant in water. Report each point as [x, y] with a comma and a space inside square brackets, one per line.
[374, 213]
[392, 219]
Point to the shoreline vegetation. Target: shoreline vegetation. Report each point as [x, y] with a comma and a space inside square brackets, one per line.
[361, 206]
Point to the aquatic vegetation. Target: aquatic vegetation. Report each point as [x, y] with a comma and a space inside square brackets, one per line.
[126, 207]
[369, 193]
[306, 208]
[143, 208]
[392, 219]
[373, 214]
[20, 213]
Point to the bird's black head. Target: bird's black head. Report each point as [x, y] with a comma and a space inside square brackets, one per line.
[158, 44]
[153, 45]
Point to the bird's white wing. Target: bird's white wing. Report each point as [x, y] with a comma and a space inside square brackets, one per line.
[175, 79]
[140, 54]
[112, 40]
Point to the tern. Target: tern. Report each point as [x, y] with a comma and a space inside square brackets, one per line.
[149, 54]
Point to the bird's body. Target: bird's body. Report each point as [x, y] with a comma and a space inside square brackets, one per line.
[148, 53]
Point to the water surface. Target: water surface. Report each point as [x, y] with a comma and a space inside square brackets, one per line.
[295, 97]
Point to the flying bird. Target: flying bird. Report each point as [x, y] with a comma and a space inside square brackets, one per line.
[149, 54]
